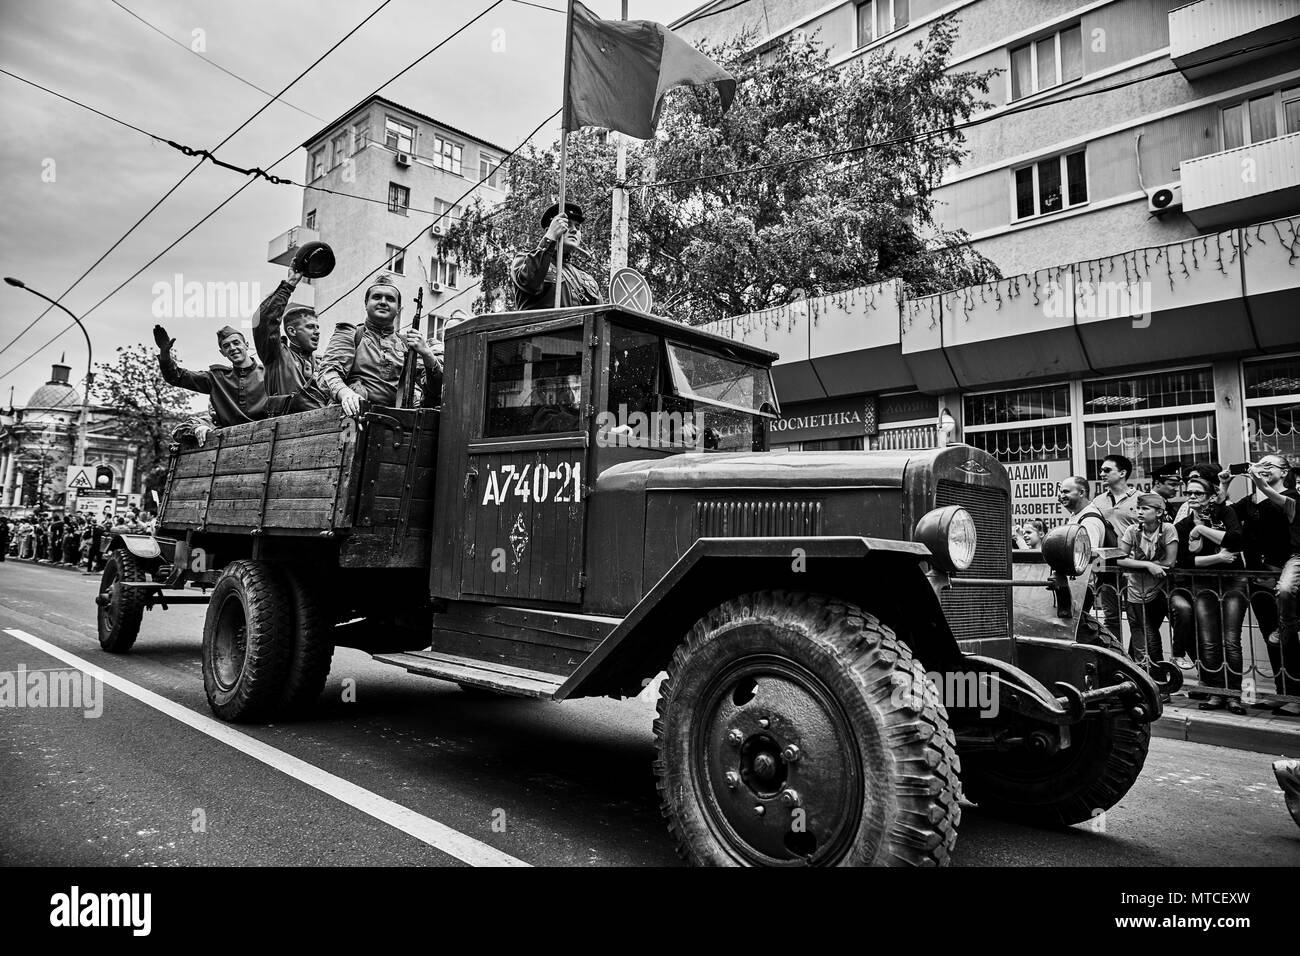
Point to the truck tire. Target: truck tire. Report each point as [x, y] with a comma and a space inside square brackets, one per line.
[796, 729]
[311, 650]
[246, 642]
[1065, 788]
[121, 615]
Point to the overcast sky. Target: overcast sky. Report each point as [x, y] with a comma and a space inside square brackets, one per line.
[105, 176]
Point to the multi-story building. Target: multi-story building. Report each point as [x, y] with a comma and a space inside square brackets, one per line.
[1137, 180]
[410, 170]
[38, 444]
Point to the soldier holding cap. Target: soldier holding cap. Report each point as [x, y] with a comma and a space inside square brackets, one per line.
[290, 371]
[237, 391]
[364, 362]
[533, 273]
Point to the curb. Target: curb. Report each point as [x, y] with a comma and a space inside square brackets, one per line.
[45, 564]
[1266, 735]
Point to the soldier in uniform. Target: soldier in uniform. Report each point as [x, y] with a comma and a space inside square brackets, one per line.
[533, 273]
[290, 370]
[237, 391]
[364, 362]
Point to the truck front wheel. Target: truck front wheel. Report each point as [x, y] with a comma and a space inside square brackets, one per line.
[1073, 785]
[796, 729]
[246, 642]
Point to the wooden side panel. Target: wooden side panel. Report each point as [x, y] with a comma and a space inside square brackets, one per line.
[454, 519]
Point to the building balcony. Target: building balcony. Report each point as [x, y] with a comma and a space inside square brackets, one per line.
[1246, 184]
[1202, 34]
[281, 249]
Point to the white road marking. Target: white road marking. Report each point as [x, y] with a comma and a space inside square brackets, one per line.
[438, 835]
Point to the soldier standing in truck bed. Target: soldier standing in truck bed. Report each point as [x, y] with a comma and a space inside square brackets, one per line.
[364, 362]
[290, 369]
[533, 273]
[237, 392]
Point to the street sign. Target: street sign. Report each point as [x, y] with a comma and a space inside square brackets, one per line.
[79, 477]
[629, 289]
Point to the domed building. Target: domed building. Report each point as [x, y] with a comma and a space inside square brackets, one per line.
[38, 442]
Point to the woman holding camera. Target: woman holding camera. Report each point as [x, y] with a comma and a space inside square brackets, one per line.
[1205, 616]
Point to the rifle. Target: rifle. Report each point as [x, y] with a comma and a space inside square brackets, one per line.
[406, 385]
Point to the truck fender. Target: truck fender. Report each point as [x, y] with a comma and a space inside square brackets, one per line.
[883, 577]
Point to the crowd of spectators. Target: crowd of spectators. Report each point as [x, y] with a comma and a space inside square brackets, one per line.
[75, 541]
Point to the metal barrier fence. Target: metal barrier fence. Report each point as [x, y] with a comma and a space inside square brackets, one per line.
[1225, 622]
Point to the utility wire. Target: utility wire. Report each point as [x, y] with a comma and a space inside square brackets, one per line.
[248, 183]
[179, 182]
[190, 49]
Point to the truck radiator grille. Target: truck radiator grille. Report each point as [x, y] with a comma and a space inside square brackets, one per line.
[980, 611]
[758, 519]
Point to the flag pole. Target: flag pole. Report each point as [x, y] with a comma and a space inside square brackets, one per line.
[564, 147]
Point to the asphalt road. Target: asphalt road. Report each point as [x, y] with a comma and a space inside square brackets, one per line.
[395, 769]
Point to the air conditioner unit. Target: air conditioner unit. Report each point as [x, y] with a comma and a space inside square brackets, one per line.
[436, 230]
[403, 159]
[435, 286]
[1163, 199]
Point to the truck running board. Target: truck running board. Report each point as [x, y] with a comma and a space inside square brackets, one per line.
[516, 681]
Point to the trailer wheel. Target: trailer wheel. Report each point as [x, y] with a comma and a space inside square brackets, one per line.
[796, 729]
[1073, 785]
[121, 609]
[311, 651]
[246, 642]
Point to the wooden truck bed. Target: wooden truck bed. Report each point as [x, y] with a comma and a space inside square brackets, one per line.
[369, 485]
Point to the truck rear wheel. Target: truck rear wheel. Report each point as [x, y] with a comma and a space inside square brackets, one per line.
[796, 729]
[246, 642]
[121, 609]
[1073, 785]
[311, 649]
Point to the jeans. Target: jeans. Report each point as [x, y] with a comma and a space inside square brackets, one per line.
[1107, 585]
[1144, 620]
[1203, 619]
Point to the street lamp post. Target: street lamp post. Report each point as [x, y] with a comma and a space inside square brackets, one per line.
[83, 423]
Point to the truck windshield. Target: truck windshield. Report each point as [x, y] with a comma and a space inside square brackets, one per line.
[721, 382]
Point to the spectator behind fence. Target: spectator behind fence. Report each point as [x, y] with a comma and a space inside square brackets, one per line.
[1209, 470]
[1118, 505]
[1167, 482]
[1029, 536]
[1270, 532]
[1206, 614]
[1150, 549]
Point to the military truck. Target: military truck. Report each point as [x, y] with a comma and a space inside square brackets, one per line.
[594, 504]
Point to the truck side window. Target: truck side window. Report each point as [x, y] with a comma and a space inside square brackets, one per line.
[535, 384]
[634, 370]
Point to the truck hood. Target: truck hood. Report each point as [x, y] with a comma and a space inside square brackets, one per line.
[825, 469]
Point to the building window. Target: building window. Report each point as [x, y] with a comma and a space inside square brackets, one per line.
[443, 208]
[399, 136]
[1020, 425]
[1050, 185]
[360, 136]
[1046, 62]
[1154, 420]
[878, 18]
[489, 171]
[340, 148]
[444, 272]
[310, 221]
[1261, 118]
[1273, 407]
[318, 163]
[396, 260]
[447, 155]
[399, 199]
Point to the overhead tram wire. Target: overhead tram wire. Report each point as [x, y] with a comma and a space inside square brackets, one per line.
[249, 182]
[171, 39]
[181, 181]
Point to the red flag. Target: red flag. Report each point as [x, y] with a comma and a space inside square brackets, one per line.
[619, 71]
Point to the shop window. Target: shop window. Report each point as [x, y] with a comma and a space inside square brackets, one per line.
[1273, 407]
[1019, 405]
[1154, 420]
[1017, 445]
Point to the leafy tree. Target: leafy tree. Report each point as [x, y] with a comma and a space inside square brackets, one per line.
[718, 245]
[148, 408]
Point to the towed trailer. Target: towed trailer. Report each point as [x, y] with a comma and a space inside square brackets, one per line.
[849, 648]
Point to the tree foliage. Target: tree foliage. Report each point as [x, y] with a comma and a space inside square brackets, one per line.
[717, 245]
[148, 408]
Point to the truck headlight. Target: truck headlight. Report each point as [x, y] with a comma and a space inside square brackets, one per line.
[949, 533]
[1068, 550]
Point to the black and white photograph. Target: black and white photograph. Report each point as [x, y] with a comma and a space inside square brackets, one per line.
[644, 434]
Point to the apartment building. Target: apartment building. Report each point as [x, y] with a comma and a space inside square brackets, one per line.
[1137, 181]
[411, 169]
